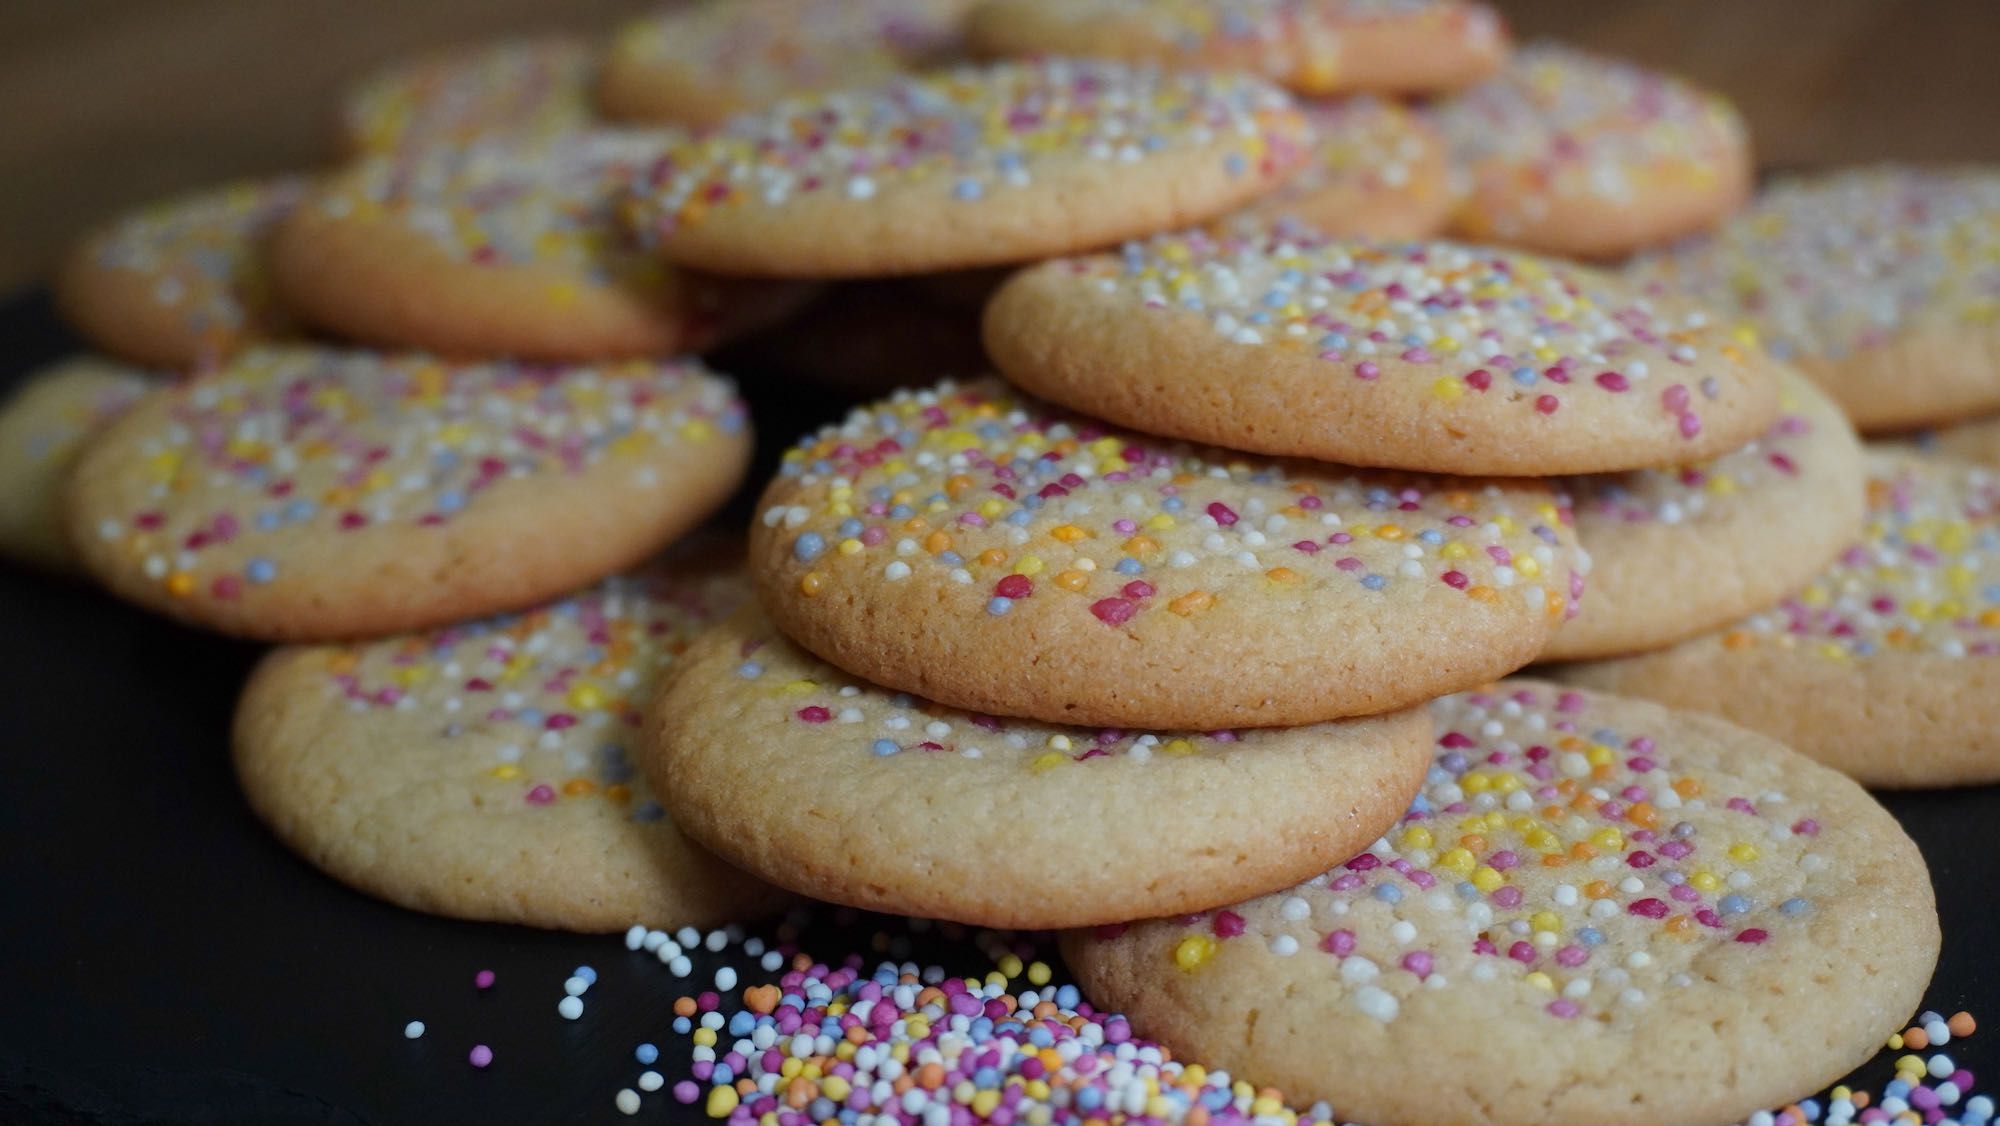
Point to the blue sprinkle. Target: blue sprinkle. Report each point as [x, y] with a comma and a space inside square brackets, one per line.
[646, 1054]
[808, 547]
[950, 558]
[1431, 536]
[742, 1024]
[1235, 165]
[999, 604]
[1590, 936]
[724, 1074]
[1466, 890]
[1173, 504]
[260, 570]
[1793, 906]
[1129, 566]
[587, 973]
[749, 670]
[1089, 1098]
[1734, 905]
[1067, 997]
[1374, 582]
[1389, 893]
[967, 188]
[451, 500]
[849, 528]
[885, 747]
[900, 512]
[683, 1026]
[1523, 376]
[269, 520]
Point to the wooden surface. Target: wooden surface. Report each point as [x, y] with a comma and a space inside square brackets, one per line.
[111, 103]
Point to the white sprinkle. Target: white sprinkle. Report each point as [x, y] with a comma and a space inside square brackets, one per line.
[570, 1007]
[413, 1030]
[627, 1101]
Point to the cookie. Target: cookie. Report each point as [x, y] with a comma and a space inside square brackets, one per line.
[866, 339]
[316, 494]
[486, 770]
[1428, 356]
[1312, 46]
[702, 64]
[1378, 171]
[1978, 440]
[1887, 664]
[969, 167]
[1580, 155]
[1880, 283]
[986, 551]
[868, 797]
[521, 89]
[44, 422]
[1678, 552]
[180, 284]
[1598, 910]
[502, 250]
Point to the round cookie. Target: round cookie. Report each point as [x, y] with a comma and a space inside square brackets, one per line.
[524, 89]
[1429, 356]
[969, 167]
[1312, 46]
[1678, 552]
[866, 339]
[1887, 665]
[1575, 154]
[1378, 171]
[1598, 910]
[991, 553]
[180, 284]
[702, 64]
[502, 250]
[485, 770]
[783, 764]
[1881, 283]
[315, 494]
[44, 422]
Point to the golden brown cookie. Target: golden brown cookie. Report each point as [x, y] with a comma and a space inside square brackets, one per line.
[503, 250]
[44, 423]
[975, 166]
[1312, 46]
[315, 494]
[485, 770]
[1430, 356]
[989, 552]
[782, 763]
[1570, 153]
[1678, 552]
[1598, 910]
[1880, 283]
[1887, 665]
[180, 284]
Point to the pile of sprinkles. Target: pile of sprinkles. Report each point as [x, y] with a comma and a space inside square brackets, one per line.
[555, 692]
[523, 89]
[977, 486]
[1831, 266]
[1925, 578]
[1532, 335]
[972, 135]
[288, 445]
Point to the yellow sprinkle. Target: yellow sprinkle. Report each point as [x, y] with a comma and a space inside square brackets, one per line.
[1743, 852]
[812, 584]
[1068, 533]
[1029, 565]
[1487, 879]
[1193, 951]
[1448, 389]
[1047, 762]
[721, 1100]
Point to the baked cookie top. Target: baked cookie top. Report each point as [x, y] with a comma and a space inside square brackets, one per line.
[1312, 46]
[779, 761]
[1581, 876]
[1434, 356]
[181, 282]
[982, 549]
[522, 89]
[968, 167]
[487, 769]
[244, 499]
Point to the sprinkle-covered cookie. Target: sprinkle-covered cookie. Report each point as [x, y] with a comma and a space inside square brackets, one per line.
[180, 284]
[700, 64]
[1312, 46]
[520, 89]
[1887, 665]
[1678, 552]
[845, 791]
[1598, 910]
[1429, 356]
[969, 167]
[1378, 171]
[316, 494]
[989, 552]
[502, 249]
[1576, 154]
[487, 770]
[44, 423]
[1881, 283]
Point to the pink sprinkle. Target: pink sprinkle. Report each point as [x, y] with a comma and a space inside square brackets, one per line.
[1522, 952]
[1418, 962]
[482, 1056]
[1366, 369]
[1455, 580]
[814, 713]
[1479, 380]
[1114, 611]
[1753, 935]
[1675, 399]
[483, 979]
[1138, 589]
[1224, 515]
[1563, 1008]
[227, 586]
[1227, 924]
[1546, 404]
[1340, 943]
[542, 794]
[1690, 424]
[352, 520]
[1612, 381]
[1649, 908]
[1014, 586]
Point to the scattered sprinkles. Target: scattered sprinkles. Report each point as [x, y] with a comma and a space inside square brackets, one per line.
[284, 451]
[1378, 171]
[1559, 128]
[527, 89]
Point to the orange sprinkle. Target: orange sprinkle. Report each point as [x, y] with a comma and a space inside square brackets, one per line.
[992, 557]
[1962, 1024]
[812, 584]
[1482, 594]
[1916, 1039]
[1072, 580]
[577, 787]
[1738, 639]
[1688, 787]
[1282, 575]
[1191, 603]
[1643, 815]
[937, 543]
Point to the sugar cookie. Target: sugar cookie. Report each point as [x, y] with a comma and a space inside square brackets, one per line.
[868, 797]
[1428, 356]
[1598, 910]
[969, 167]
[44, 423]
[522, 89]
[1887, 665]
[316, 494]
[986, 551]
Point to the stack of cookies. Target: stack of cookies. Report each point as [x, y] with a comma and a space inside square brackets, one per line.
[1167, 598]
